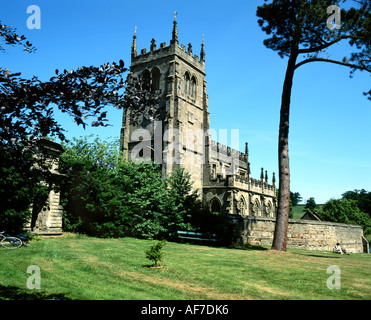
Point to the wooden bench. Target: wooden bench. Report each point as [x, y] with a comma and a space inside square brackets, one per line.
[197, 236]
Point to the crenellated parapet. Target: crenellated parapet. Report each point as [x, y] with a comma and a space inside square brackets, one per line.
[251, 184]
[223, 150]
[182, 51]
[165, 51]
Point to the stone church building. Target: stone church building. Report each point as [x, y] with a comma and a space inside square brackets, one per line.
[181, 135]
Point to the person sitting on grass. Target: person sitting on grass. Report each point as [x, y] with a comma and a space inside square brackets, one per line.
[339, 249]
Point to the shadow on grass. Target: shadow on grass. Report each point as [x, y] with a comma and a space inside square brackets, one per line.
[318, 255]
[16, 293]
[152, 266]
[249, 247]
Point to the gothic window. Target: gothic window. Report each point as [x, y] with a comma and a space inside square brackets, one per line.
[215, 206]
[146, 76]
[187, 80]
[256, 208]
[156, 79]
[193, 87]
[241, 206]
[269, 209]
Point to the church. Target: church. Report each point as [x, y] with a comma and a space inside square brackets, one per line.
[181, 135]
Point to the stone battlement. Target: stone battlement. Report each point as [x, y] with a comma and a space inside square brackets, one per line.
[228, 151]
[248, 183]
[164, 51]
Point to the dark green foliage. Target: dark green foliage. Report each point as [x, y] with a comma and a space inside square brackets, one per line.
[20, 187]
[154, 253]
[311, 204]
[104, 196]
[345, 211]
[362, 197]
[295, 198]
[88, 193]
[184, 202]
[27, 114]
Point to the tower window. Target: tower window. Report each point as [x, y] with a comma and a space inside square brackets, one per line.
[155, 79]
[146, 76]
[187, 80]
[193, 87]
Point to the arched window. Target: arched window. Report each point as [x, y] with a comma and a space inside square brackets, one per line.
[193, 86]
[156, 79]
[187, 80]
[215, 206]
[241, 206]
[256, 208]
[146, 77]
[269, 209]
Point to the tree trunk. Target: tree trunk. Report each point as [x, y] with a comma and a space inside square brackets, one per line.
[282, 219]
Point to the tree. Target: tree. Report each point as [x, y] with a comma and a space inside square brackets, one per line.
[184, 203]
[154, 253]
[311, 204]
[295, 198]
[27, 114]
[298, 28]
[106, 196]
[345, 211]
[9, 34]
[90, 188]
[362, 197]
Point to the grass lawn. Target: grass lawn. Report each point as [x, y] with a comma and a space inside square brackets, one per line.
[298, 211]
[90, 268]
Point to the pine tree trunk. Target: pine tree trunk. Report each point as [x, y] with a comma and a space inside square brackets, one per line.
[280, 232]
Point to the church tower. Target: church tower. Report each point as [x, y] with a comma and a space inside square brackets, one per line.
[177, 137]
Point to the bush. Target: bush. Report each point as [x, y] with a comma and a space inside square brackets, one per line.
[105, 196]
[19, 185]
[154, 253]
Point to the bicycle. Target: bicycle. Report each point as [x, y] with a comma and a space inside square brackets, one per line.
[10, 242]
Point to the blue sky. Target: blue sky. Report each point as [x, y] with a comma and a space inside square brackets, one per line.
[330, 120]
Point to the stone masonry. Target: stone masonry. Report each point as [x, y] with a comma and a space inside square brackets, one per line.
[303, 234]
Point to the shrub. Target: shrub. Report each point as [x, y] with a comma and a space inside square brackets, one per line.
[154, 253]
[105, 196]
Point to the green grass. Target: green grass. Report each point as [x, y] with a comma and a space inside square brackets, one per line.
[91, 268]
[298, 211]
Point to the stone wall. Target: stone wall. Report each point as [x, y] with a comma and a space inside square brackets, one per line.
[303, 234]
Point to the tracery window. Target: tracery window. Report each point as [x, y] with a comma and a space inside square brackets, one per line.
[269, 209]
[256, 208]
[241, 206]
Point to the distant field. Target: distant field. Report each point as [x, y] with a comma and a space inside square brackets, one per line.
[91, 268]
[298, 211]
